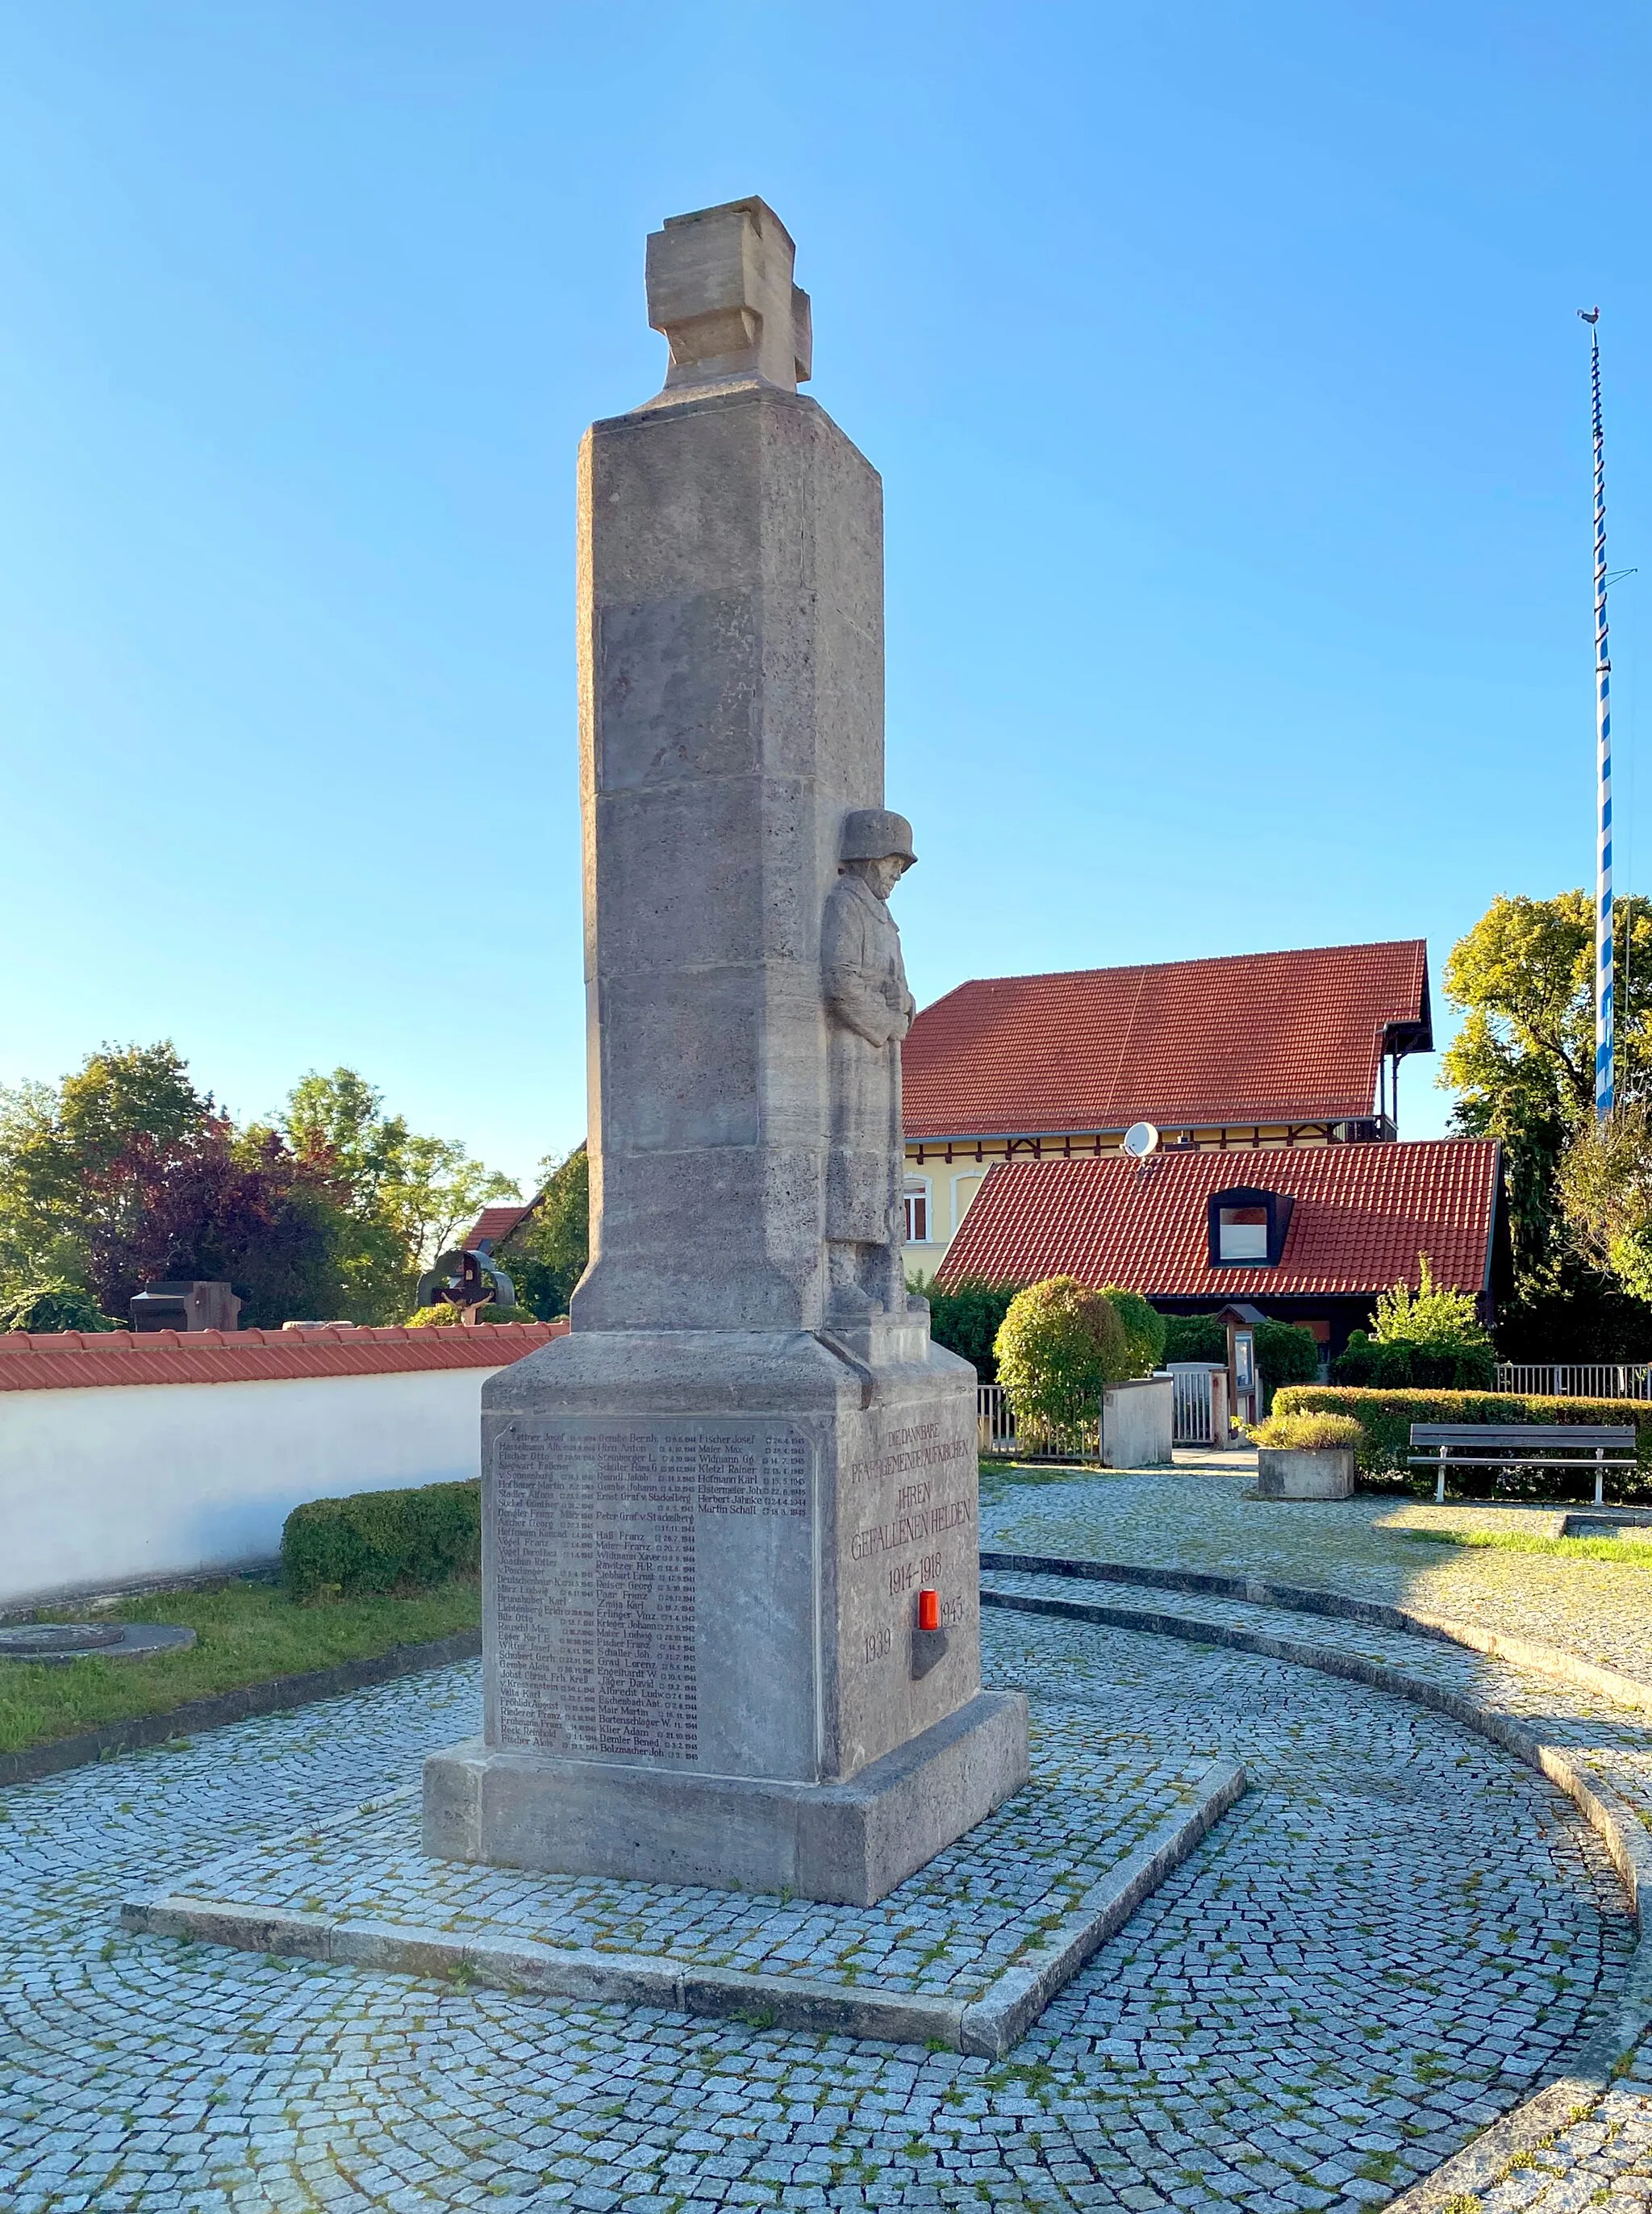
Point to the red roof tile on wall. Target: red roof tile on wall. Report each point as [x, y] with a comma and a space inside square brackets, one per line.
[1253, 1037]
[75, 1360]
[1362, 1215]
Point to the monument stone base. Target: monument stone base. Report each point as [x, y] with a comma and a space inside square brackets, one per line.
[848, 1844]
[703, 1552]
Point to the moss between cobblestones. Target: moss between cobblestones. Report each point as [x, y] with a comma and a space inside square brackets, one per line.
[1597, 1608]
[246, 1631]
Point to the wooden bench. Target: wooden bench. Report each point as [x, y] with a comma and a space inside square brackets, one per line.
[1598, 1445]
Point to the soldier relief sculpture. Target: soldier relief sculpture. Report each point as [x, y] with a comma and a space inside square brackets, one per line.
[869, 1012]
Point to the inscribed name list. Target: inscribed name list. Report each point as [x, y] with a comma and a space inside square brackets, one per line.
[597, 1529]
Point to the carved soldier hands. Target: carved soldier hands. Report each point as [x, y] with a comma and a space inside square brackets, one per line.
[864, 1007]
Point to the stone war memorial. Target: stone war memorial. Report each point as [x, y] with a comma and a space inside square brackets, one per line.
[735, 1756]
[730, 1547]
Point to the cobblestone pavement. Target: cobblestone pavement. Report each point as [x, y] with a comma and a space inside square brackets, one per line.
[1192, 1521]
[1609, 1739]
[1391, 1940]
[946, 1933]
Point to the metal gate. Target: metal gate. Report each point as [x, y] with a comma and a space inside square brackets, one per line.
[1200, 1406]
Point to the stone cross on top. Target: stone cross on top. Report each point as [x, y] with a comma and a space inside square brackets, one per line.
[719, 286]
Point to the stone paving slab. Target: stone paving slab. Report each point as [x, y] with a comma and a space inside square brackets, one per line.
[968, 1951]
[1395, 1936]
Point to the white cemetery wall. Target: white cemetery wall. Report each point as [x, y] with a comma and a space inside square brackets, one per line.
[119, 1484]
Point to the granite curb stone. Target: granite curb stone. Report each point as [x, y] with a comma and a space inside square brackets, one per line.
[1021, 1994]
[1542, 1659]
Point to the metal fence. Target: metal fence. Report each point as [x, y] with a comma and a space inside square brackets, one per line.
[1199, 1418]
[1549, 1380]
[1003, 1436]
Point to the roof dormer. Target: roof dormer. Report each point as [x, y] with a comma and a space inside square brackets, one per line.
[1247, 1226]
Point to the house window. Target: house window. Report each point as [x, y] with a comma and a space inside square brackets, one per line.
[1247, 1226]
[1242, 1234]
[918, 1213]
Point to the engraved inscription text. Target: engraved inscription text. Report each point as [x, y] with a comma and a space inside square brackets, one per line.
[595, 1591]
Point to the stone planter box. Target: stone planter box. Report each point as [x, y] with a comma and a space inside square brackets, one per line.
[1288, 1472]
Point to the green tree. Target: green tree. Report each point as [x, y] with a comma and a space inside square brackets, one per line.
[546, 1256]
[1606, 1193]
[73, 1159]
[50, 1303]
[1522, 1065]
[403, 1195]
[1431, 1315]
[1431, 1335]
[1059, 1345]
[126, 1173]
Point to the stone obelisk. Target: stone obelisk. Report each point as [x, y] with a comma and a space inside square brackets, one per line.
[719, 1514]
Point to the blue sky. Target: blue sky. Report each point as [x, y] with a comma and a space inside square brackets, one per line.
[1221, 364]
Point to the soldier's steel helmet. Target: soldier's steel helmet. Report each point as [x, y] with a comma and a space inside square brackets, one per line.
[874, 834]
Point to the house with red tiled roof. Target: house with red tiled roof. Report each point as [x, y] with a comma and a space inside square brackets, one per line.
[1297, 1049]
[495, 1223]
[1307, 1233]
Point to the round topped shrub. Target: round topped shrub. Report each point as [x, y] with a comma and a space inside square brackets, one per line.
[1059, 1345]
[442, 1315]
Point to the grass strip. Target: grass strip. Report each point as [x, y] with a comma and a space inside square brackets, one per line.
[1635, 1552]
[246, 1631]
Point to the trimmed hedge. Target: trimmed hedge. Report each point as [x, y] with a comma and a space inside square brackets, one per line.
[1403, 1364]
[382, 1541]
[1385, 1417]
[1195, 1338]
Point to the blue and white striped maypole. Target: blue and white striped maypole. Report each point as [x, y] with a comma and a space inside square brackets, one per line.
[1604, 1086]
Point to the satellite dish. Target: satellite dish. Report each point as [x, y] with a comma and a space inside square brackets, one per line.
[1141, 1139]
